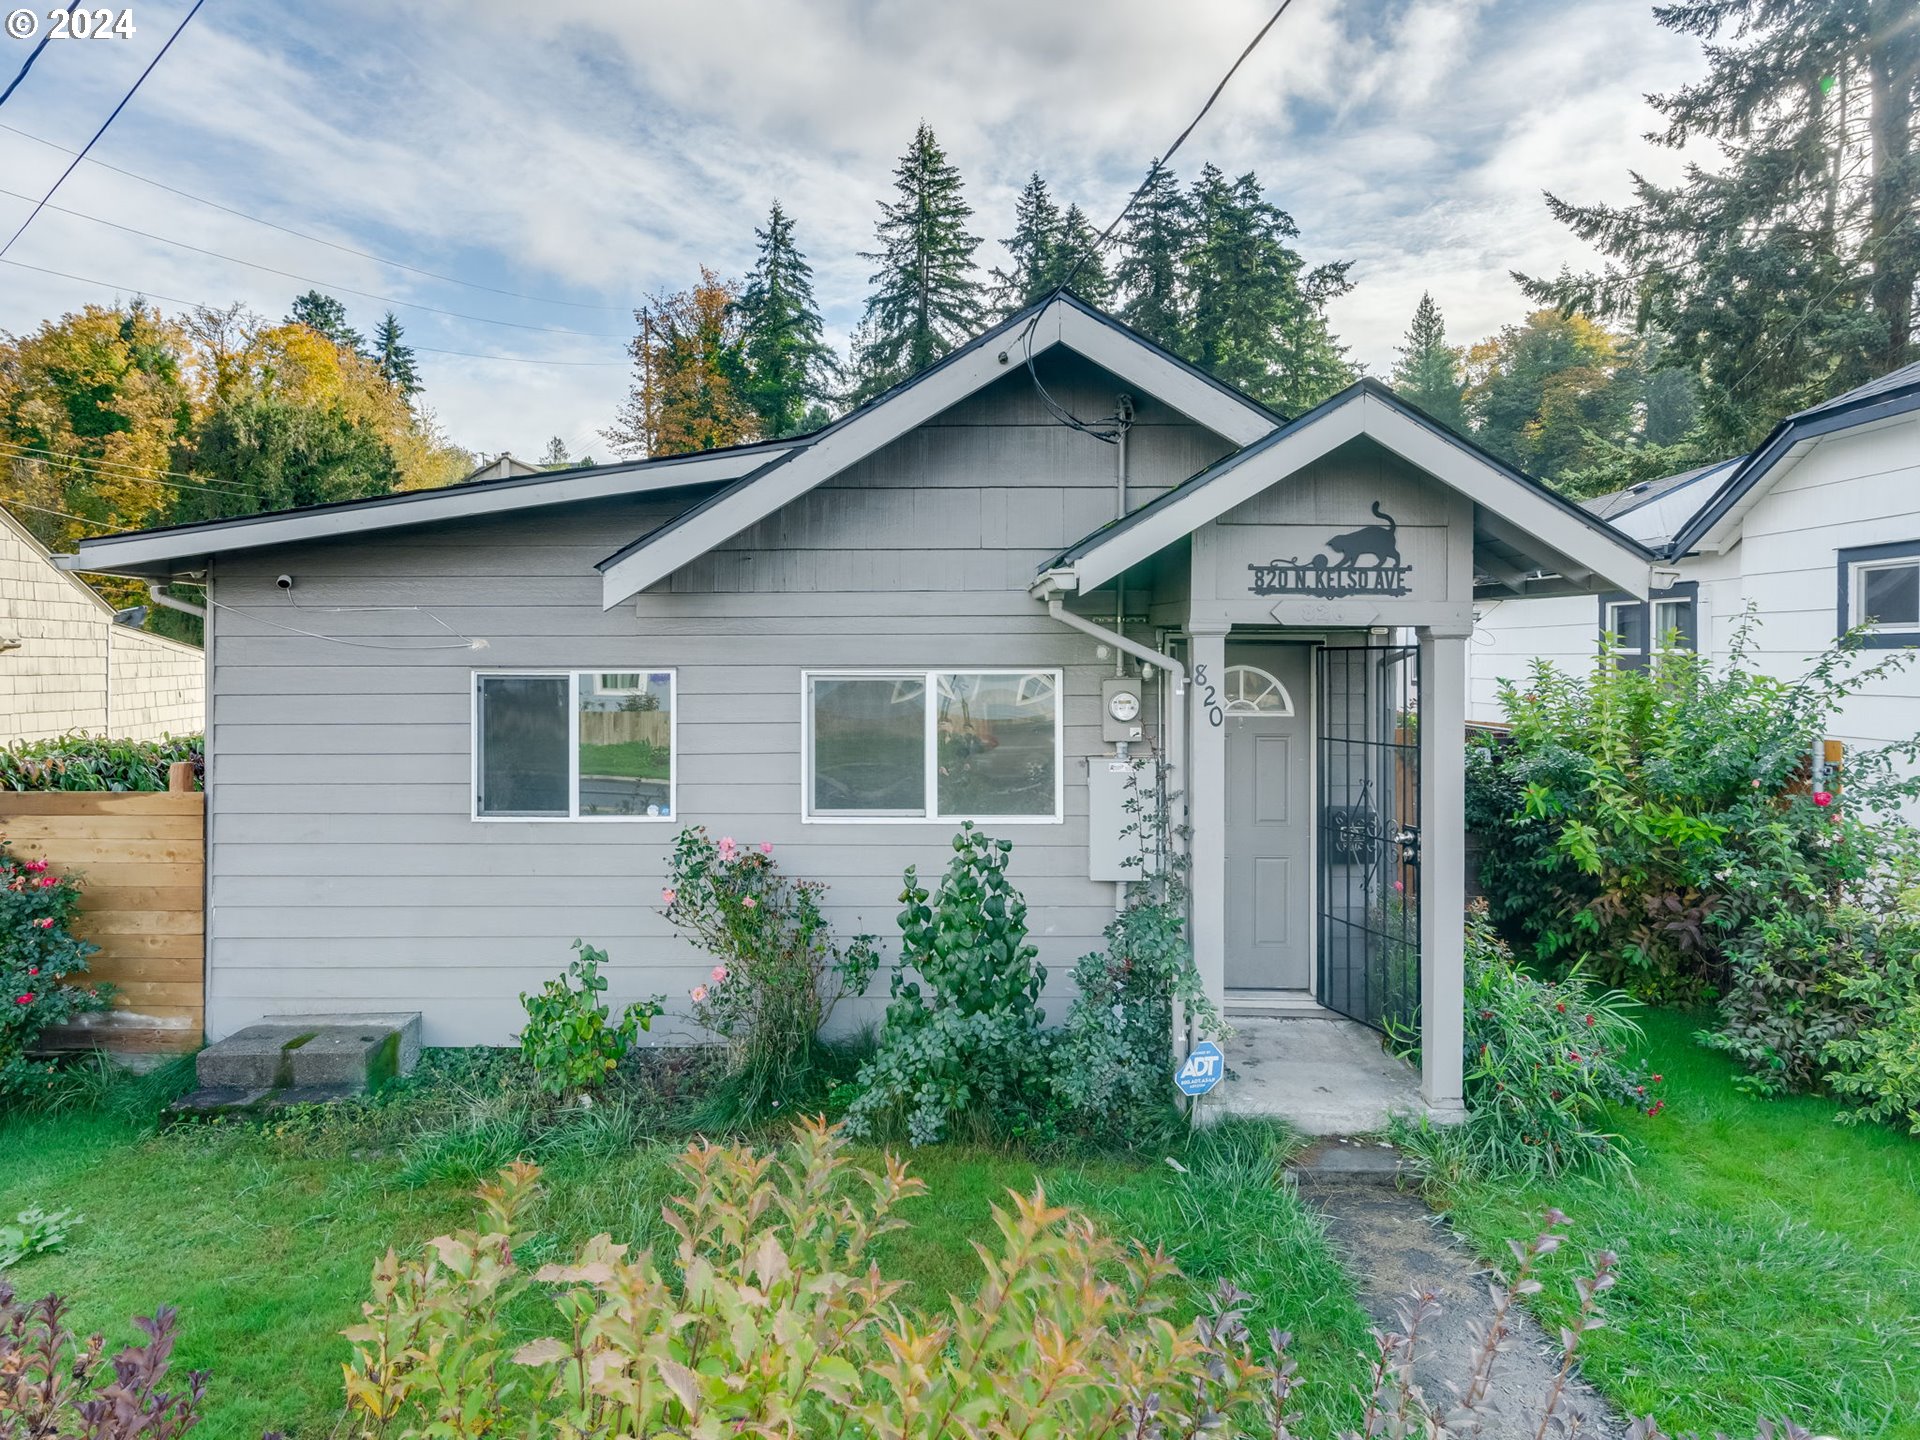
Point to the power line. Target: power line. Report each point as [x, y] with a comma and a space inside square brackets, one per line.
[1100, 430]
[309, 280]
[27, 64]
[201, 305]
[119, 470]
[124, 99]
[317, 239]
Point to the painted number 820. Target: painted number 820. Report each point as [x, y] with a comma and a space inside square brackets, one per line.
[1209, 697]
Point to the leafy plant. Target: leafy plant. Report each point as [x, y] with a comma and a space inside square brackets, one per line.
[38, 954]
[34, 1232]
[1111, 1058]
[780, 973]
[570, 1039]
[773, 1316]
[90, 762]
[56, 1386]
[1877, 1065]
[1544, 1058]
[963, 1033]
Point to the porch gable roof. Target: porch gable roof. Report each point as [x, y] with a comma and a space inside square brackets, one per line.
[1061, 319]
[1519, 515]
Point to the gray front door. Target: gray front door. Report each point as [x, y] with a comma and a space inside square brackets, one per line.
[1269, 818]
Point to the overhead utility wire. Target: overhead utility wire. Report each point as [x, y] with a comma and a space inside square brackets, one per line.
[317, 239]
[1103, 430]
[32, 55]
[115, 470]
[198, 304]
[309, 280]
[82, 154]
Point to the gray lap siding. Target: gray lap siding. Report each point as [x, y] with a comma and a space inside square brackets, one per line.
[345, 870]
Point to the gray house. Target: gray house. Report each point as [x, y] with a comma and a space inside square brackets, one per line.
[451, 730]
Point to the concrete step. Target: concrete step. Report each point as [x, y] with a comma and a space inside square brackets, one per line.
[1346, 1162]
[336, 1054]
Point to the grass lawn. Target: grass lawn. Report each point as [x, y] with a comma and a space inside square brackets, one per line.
[263, 1236]
[1769, 1258]
[627, 760]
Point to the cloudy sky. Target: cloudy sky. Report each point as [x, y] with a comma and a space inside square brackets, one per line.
[563, 158]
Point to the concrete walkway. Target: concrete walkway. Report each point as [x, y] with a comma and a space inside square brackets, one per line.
[1321, 1073]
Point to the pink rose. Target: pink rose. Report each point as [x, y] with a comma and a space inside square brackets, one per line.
[34, 867]
[1822, 798]
[699, 994]
[48, 883]
[728, 849]
[45, 923]
[719, 974]
[23, 999]
[668, 895]
[750, 902]
[33, 970]
[766, 847]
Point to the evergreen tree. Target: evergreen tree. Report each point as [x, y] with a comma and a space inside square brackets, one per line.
[555, 456]
[789, 368]
[1153, 245]
[327, 316]
[1428, 372]
[689, 361]
[1789, 273]
[393, 357]
[1032, 247]
[1257, 318]
[1080, 265]
[926, 298]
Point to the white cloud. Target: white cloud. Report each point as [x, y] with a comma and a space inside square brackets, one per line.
[595, 151]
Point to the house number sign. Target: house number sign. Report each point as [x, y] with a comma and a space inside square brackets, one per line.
[1209, 697]
[1336, 570]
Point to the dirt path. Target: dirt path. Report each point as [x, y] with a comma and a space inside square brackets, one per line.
[1394, 1245]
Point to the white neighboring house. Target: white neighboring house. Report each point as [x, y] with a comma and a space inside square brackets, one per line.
[1818, 529]
[65, 664]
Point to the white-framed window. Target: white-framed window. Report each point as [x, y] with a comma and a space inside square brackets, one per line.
[1249, 690]
[574, 745]
[1626, 621]
[898, 746]
[1886, 595]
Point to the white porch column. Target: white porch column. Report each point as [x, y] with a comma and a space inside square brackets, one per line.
[1443, 873]
[1207, 807]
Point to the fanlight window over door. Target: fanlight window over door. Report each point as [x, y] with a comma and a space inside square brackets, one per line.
[1252, 691]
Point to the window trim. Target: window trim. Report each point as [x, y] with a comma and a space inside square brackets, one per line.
[929, 680]
[572, 677]
[1687, 591]
[1848, 565]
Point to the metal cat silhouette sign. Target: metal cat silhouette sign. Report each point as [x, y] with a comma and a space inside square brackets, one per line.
[1336, 570]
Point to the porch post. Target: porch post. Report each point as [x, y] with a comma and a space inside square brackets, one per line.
[1443, 872]
[1207, 808]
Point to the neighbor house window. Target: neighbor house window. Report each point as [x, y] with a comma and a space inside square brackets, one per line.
[1880, 591]
[573, 745]
[933, 745]
[1666, 619]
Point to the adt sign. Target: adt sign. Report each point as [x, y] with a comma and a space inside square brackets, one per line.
[1204, 1068]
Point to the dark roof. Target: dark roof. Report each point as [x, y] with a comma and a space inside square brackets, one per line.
[1367, 386]
[1616, 503]
[1895, 393]
[952, 357]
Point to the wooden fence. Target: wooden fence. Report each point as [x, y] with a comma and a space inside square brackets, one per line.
[141, 861]
[619, 727]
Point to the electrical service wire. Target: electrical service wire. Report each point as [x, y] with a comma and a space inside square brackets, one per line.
[463, 642]
[317, 239]
[1106, 429]
[82, 154]
[32, 55]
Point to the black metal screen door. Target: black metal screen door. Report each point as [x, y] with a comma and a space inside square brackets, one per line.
[1369, 860]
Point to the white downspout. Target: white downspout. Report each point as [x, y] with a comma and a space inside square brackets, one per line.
[158, 591]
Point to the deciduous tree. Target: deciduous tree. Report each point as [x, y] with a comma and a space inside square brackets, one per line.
[689, 362]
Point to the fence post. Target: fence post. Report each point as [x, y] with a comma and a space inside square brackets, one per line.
[180, 777]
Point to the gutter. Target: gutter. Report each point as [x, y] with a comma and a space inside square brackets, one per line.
[158, 590]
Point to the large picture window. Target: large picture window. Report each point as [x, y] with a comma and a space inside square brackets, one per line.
[933, 745]
[573, 745]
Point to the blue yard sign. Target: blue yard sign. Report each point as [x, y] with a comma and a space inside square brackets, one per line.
[1204, 1068]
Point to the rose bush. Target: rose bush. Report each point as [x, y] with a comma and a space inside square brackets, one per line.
[39, 956]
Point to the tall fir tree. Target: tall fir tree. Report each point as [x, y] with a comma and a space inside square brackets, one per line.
[1080, 264]
[689, 368]
[926, 297]
[393, 357]
[1790, 271]
[326, 316]
[1428, 371]
[1257, 318]
[790, 370]
[1153, 247]
[1032, 249]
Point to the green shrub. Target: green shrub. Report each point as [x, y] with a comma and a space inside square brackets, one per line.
[779, 975]
[89, 762]
[34, 1232]
[963, 1037]
[772, 1316]
[1112, 1058]
[1544, 1059]
[1639, 820]
[569, 1038]
[1877, 1066]
[55, 1384]
[38, 958]
[1785, 999]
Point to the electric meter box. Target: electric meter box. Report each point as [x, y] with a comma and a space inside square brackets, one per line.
[1112, 852]
[1123, 711]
